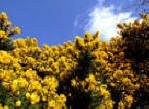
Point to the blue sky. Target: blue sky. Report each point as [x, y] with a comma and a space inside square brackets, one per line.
[55, 21]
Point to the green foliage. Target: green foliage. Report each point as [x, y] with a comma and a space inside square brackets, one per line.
[6, 44]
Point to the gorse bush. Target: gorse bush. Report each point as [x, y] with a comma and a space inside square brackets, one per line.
[84, 74]
[136, 35]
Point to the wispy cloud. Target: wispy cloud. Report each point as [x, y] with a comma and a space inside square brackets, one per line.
[105, 19]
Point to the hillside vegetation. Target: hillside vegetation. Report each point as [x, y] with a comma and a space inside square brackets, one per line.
[84, 74]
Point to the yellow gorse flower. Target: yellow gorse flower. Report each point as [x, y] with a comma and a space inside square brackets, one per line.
[51, 103]
[34, 98]
[6, 107]
[3, 15]
[129, 99]
[18, 103]
[28, 95]
[16, 30]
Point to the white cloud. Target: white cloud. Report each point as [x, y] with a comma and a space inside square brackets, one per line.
[105, 20]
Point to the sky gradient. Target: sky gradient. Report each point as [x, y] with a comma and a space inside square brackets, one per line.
[54, 21]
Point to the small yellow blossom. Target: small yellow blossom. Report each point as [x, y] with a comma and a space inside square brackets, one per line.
[73, 82]
[8, 23]
[2, 34]
[51, 103]
[18, 103]
[121, 105]
[129, 99]
[3, 15]
[28, 95]
[16, 30]
[34, 98]
[44, 98]
[6, 107]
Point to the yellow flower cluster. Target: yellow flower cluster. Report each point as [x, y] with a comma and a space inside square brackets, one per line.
[136, 35]
[34, 65]
[15, 77]
[6, 30]
[4, 107]
[29, 63]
